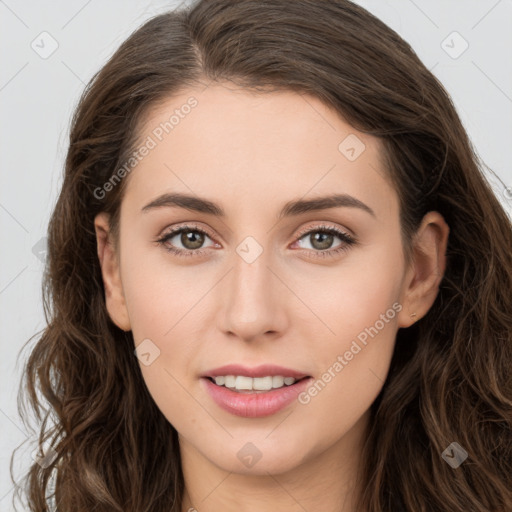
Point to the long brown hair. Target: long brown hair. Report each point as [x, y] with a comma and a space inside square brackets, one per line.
[450, 377]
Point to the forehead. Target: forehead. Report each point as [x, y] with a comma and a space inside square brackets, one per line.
[255, 149]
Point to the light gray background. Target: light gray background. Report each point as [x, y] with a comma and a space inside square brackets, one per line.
[37, 97]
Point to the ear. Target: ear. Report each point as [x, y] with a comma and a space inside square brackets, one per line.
[109, 262]
[421, 283]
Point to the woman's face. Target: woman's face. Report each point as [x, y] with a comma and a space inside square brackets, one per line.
[264, 283]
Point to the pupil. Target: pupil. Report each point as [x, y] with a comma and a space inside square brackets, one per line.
[325, 240]
[192, 239]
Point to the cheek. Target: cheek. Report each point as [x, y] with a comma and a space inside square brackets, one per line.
[351, 367]
[162, 303]
[344, 300]
[359, 307]
[157, 292]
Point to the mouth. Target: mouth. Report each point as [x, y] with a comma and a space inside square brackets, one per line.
[254, 403]
[248, 385]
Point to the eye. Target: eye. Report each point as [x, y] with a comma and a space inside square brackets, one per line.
[192, 239]
[321, 239]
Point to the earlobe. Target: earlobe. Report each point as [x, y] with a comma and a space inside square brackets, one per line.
[109, 263]
[427, 269]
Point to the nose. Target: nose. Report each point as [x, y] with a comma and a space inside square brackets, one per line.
[254, 299]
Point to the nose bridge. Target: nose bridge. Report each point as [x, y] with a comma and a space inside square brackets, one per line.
[252, 299]
[252, 284]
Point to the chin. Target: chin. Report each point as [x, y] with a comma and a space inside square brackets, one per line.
[259, 460]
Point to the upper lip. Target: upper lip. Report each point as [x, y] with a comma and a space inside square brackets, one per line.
[257, 371]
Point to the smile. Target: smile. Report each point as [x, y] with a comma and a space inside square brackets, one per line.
[253, 403]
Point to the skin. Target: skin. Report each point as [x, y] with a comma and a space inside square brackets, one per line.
[252, 153]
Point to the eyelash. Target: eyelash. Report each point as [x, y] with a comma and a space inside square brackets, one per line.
[330, 253]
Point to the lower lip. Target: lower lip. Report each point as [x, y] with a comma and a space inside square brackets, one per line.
[255, 405]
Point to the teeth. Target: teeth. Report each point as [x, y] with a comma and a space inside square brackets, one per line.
[277, 381]
[242, 383]
[262, 383]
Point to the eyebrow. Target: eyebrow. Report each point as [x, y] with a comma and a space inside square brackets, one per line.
[291, 208]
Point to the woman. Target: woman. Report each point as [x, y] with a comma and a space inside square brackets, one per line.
[277, 278]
